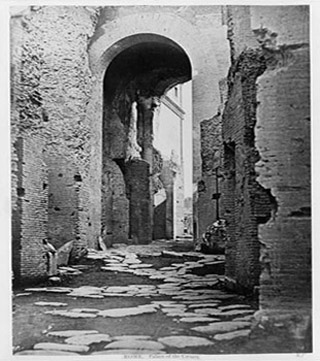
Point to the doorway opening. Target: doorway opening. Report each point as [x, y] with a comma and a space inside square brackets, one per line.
[143, 166]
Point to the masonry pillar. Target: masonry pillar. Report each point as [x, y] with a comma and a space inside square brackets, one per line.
[167, 178]
[148, 107]
[138, 181]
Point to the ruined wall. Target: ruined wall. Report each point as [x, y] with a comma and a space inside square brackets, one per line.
[30, 213]
[54, 82]
[115, 202]
[266, 122]
[211, 143]
[283, 142]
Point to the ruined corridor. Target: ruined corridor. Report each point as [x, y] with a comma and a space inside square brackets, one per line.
[161, 179]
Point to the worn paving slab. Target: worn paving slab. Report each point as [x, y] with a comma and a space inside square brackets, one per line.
[71, 314]
[60, 347]
[88, 339]
[135, 344]
[53, 304]
[203, 305]
[71, 333]
[45, 353]
[127, 352]
[184, 341]
[129, 311]
[198, 319]
[222, 327]
[131, 337]
[232, 307]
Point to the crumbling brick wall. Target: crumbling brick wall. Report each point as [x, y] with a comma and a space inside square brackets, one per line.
[30, 214]
[266, 121]
[52, 87]
[283, 142]
[211, 143]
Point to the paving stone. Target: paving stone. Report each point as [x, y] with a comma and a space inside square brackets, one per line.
[232, 335]
[209, 311]
[45, 353]
[135, 344]
[199, 302]
[198, 319]
[23, 294]
[174, 280]
[85, 310]
[212, 263]
[141, 265]
[60, 347]
[222, 327]
[170, 285]
[178, 313]
[117, 289]
[88, 339]
[54, 304]
[131, 337]
[184, 341]
[69, 269]
[112, 269]
[71, 333]
[167, 292]
[192, 297]
[167, 303]
[232, 307]
[117, 294]
[129, 311]
[203, 305]
[50, 289]
[81, 266]
[71, 314]
[85, 295]
[132, 261]
[127, 352]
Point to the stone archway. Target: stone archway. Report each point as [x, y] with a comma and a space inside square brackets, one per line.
[134, 82]
[124, 28]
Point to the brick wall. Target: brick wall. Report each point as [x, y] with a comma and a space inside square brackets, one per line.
[211, 143]
[267, 122]
[52, 86]
[30, 217]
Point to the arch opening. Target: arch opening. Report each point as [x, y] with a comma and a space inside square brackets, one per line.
[134, 172]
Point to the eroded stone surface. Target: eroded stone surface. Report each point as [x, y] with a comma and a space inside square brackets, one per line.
[60, 347]
[71, 314]
[130, 337]
[233, 307]
[127, 352]
[135, 344]
[45, 353]
[54, 304]
[184, 341]
[88, 339]
[198, 319]
[71, 333]
[221, 327]
[129, 311]
[203, 305]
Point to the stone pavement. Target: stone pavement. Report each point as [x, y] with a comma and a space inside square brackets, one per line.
[208, 314]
